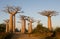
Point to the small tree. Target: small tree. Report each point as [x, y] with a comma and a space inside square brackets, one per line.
[38, 29]
[7, 25]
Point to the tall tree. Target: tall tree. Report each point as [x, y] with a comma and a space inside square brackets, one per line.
[15, 10]
[23, 21]
[31, 20]
[49, 14]
[12, 10]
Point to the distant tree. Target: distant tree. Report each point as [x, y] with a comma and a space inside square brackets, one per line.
[57, 29]
[57, 32]
[16, 30]
[41, 31]
[2, 27]
[7, 24]
[38, 28]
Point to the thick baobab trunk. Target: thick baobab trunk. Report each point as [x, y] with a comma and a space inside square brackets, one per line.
[49, 23]
[7, 27]
[11, 23]
[23, 26]
[30, 27]
[14, 23]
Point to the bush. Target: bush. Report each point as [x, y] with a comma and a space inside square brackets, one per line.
[2, 27]
[50, 37]
[41, 31]
[4, 35]
[9, 36]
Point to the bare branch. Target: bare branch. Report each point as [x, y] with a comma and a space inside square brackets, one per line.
[49, 13]
[30, 19]
[23, 17]
[6, 21]
[12, 9]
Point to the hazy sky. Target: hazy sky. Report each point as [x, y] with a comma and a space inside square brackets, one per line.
[31, 8]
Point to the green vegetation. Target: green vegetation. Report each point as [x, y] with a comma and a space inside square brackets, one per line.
[3, 34]
[6, 35]
[39, 31]
[45, 33]
[16, 30]
[2, 27]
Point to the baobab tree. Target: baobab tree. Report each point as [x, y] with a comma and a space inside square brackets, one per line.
[49, 14]
[23, 21]
[12, 11]
[31, 20]
[15, 10]
[7, 25]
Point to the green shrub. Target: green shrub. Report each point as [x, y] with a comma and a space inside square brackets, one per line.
[5, 35]
[9, 36]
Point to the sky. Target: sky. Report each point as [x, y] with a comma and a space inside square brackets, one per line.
[31, 8]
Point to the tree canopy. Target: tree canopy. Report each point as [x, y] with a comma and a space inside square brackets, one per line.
[48, 13]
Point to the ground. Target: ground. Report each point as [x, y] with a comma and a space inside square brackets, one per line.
[18, 35]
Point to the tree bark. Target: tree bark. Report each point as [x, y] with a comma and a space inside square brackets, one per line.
[7, 27]
[23, 26]
[30, 27]
[49, 23]
[11, 23]
[14, 23]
